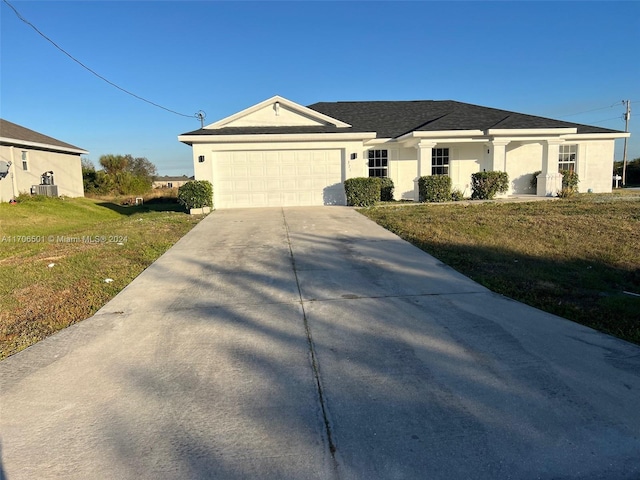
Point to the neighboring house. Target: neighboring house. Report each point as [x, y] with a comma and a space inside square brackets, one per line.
[34, 159]
[170, 182]
[279, 153]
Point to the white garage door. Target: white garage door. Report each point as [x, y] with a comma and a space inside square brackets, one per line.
[279, 178]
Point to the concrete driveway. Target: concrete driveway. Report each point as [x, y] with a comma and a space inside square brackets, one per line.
[309, 343]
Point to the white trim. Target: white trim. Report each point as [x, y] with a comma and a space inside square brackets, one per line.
[531, 131]
[46, 146]
[277, 99]
[596, 136]
[441, 133]
[276, 137]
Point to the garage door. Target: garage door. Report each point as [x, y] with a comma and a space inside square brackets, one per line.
[279, 178]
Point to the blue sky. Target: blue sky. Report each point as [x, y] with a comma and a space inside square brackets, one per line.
[553, 59]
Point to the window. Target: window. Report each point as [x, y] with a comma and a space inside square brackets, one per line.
[378, 163]
[169, 185]
[440, 161]
[25, 165]
[567, 158]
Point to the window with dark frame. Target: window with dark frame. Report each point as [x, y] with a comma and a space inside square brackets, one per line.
[378, 163]
[440, 161]
[567, 158]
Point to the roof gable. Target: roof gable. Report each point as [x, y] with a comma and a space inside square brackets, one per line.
[277, 112]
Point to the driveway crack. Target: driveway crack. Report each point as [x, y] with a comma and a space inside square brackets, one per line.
[312, 351]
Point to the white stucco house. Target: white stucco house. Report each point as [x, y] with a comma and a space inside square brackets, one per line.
[280, 153]
[30, 159]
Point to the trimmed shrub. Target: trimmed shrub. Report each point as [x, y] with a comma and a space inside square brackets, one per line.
[434, 188]
[486, 185]
[196, 194]
[362, 191]
[386, 189]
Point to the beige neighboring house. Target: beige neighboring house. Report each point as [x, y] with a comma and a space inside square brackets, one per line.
[280, 153]
[170, 182]
[31, 162]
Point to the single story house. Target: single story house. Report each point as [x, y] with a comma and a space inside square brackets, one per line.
[280, 153]
[31, 162]
[170, 182]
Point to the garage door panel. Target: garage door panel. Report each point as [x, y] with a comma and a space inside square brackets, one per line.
[278, 178]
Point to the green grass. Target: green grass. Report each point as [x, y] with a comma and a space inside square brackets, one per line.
[572, 257]
[37, 300]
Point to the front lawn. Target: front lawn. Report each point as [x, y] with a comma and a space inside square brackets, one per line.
[63, 259]
[578, 258]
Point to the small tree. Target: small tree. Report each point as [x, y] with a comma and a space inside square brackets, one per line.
[570, 182]
[114, 164]
[196, 194]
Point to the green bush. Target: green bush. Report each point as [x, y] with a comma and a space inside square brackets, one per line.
[533, 183]
[386, 189]
[570, 182]
[362, 191]
[434, 188]
[457, 195]
[485, 185]
[196, 194]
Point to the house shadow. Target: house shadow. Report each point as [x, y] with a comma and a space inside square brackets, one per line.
[334, 194]
[150, 206]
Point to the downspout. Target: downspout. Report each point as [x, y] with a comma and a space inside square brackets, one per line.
[14, 181]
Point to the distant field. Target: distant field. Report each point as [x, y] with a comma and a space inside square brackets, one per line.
[55, 256]
[572, 257]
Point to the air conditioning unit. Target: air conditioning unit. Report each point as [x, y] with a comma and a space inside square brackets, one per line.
[46, 190]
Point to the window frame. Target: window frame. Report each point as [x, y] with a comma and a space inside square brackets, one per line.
[441, 154]
[568, 156]
[378, 165]
[25, 160]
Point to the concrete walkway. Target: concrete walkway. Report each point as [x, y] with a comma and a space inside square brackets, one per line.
[309, 343]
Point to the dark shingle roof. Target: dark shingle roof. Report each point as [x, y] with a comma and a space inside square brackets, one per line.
[392, 119]
[17, 132]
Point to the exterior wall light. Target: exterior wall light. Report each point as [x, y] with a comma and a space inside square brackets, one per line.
[201, 159]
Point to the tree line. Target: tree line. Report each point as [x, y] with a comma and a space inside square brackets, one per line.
[120, 174]
[633, 171]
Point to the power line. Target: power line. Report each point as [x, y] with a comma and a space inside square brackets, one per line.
[89, 69]
[619, 117]
[587, 111]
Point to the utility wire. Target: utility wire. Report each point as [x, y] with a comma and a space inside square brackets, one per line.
[607, 119]
[89, 69]
[586, 111]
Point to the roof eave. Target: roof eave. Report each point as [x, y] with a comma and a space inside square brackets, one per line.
[275, 137]
[440, 134]
[530, 131]
[42, 146]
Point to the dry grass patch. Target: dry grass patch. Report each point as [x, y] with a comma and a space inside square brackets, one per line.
[573, 257]
[51, 277]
